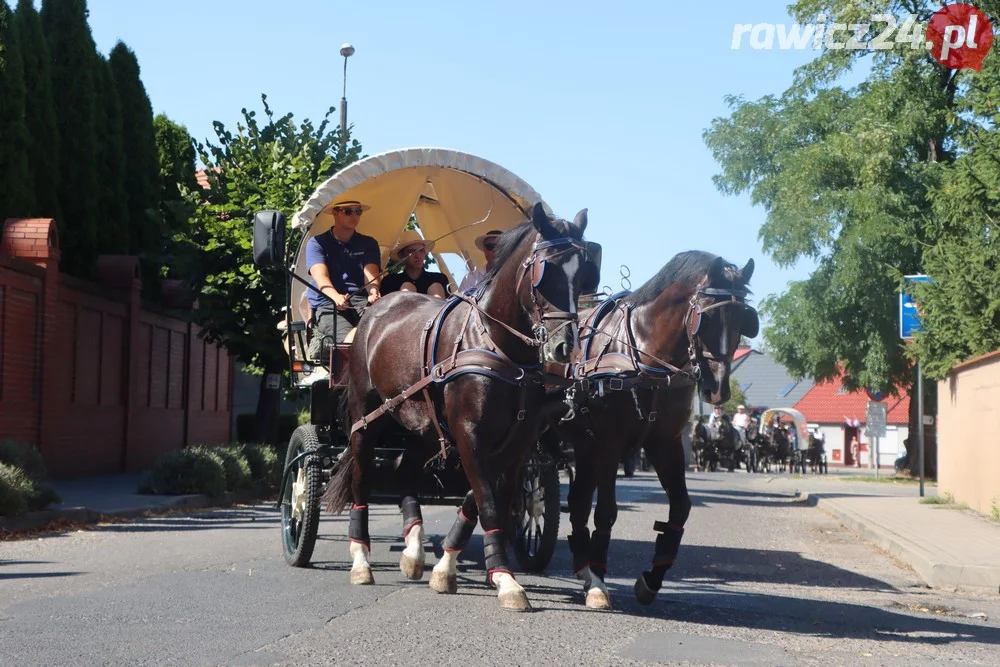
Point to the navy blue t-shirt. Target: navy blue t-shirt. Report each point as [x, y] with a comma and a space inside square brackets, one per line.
[345, 261]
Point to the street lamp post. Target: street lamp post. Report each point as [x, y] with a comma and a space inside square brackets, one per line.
[347, 51]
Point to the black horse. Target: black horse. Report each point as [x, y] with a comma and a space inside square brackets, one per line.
[646, 353]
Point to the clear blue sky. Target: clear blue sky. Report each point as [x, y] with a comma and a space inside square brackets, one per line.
[597, 105]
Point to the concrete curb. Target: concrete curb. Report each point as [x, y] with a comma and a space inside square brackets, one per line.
[937, 574]
[37, 521]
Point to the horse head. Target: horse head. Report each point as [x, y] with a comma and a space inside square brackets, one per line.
[718, 317]
[558, 270]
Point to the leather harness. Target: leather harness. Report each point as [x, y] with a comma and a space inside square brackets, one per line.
[623, 372]
[491, 361]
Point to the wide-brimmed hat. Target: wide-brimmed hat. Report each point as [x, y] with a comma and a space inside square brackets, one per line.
[345, 203]
[409, 237]
[481, 241]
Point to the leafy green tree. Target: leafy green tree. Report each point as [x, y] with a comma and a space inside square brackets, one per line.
[39, 111]
[113, 228]
[142, 189]
[275, 164]
[846, 175]
[176, 158]
[16, 193]
[73, 73]
[961, 308]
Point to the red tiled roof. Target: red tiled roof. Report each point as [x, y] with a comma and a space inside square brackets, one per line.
[202, 178]
[824, 404]
[742, 352]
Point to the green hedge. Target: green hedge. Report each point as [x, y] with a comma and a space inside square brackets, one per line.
[24, 480]
[213, 470]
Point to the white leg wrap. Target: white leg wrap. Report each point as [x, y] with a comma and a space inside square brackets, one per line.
[415, 543]
[448, 565]
[359, 553]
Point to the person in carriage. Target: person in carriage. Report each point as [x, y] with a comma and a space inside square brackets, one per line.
[412, 250]
[488, 244]
[741, 420]
[345, 266]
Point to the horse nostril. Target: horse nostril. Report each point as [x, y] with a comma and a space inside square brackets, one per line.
[562, 350]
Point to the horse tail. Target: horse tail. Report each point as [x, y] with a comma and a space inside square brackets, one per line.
[339, 493]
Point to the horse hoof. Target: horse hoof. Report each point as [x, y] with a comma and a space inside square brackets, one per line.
[411, 568]
[644, 595]
[514, 601]
[362, 576]
[598, 599]
[444, 583]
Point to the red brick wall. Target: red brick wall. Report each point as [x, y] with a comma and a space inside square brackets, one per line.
[99, 382]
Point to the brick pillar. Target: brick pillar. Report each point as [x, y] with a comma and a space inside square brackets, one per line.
[36, 240]
[121, 273]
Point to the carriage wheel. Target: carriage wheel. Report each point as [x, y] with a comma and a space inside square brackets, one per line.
[300, 497]
[534, 522]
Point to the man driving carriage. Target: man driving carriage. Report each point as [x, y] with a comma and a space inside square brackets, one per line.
[345, 266]
[488, 244]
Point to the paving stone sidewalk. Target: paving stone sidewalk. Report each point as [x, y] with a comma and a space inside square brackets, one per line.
[949, 548]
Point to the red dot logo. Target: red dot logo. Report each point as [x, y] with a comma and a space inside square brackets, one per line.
[959, 36]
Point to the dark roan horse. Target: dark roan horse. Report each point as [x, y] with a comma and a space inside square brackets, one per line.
[484, 355]
[644, 355]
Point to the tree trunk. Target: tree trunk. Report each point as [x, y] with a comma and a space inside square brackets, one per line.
[269, 407]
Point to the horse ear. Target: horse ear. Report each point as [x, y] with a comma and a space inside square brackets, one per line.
[542, 223]
[580, 221]
[747, 271]
[715, 272]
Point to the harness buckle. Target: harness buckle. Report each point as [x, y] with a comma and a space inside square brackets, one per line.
[616, 384]
[520, 415]
[652, 417]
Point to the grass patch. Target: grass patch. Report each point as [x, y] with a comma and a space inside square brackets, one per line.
[995, 508]
[944, 502]
[890, 479]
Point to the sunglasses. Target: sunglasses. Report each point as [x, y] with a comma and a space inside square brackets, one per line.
[413, 251]
[489, 246]
[350, 211]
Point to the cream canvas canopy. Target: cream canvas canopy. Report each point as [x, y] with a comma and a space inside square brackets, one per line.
[801, 426]
[455, 196]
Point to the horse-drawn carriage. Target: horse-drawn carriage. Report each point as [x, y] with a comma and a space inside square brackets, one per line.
[503, 375]
[454, 198]
[786, 440]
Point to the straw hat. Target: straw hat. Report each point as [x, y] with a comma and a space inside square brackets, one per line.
[410, 237]
[348, 203]
[481, 241]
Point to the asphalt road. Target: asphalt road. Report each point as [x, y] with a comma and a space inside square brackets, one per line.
[760, 580]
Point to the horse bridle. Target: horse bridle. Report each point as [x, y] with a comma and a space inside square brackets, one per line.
[693, 317]
[535, 266]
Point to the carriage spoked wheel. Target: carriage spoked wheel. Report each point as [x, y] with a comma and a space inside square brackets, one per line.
[300, 496]
[534, 521]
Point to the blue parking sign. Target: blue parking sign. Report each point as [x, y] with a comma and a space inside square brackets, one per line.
[909, 318]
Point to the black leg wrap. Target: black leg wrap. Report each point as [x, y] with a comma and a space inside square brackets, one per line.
[358, 530]
[668, 543]
[579, 546]
[599, 543]
[460, 533]
[411, 513]
[495, 551]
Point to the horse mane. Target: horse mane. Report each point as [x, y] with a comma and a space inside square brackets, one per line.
[507, 245]
[688, 267]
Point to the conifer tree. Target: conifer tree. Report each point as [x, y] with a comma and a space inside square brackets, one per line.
[141, 178]
[16, 195]
[39, 111]
[73, 53]
[113, 231]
